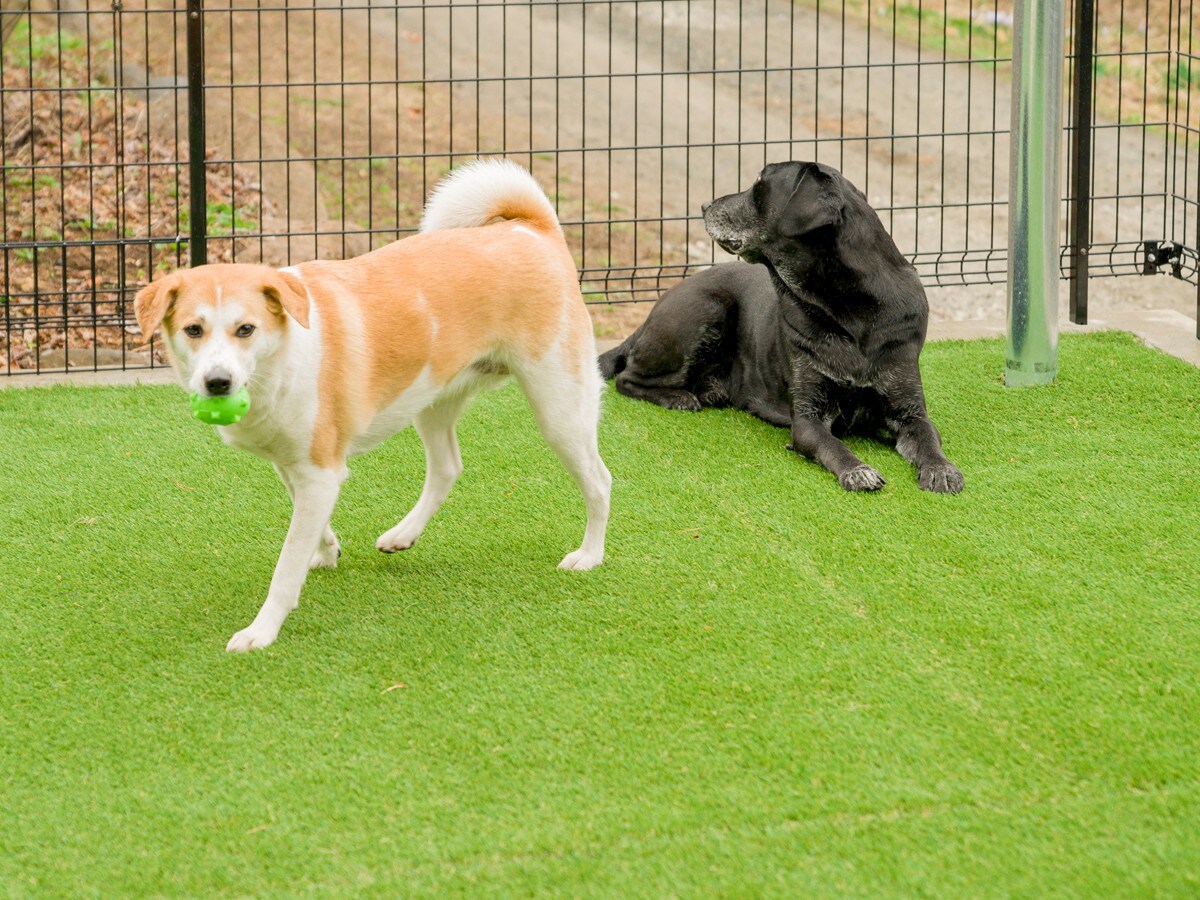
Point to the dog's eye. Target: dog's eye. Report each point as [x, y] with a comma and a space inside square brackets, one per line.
[193, 330]
[245, 331]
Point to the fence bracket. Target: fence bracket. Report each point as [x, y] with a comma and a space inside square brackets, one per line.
[1157, 254]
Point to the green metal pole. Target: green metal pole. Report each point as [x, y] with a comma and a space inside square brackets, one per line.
[1034, 193]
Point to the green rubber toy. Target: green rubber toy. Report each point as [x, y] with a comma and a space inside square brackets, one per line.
[221, 410]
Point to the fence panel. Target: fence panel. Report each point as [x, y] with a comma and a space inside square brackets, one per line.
[94, 189]
[328, 123]
[1144, 144]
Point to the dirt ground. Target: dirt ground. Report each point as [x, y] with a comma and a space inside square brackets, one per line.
[613, 138]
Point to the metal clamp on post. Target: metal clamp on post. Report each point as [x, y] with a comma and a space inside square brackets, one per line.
[1156, 254]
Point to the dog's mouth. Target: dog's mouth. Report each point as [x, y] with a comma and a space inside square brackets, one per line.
[740, 248]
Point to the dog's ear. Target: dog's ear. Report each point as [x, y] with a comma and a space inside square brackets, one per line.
[816, 202]
[153, 302]
[289, 293]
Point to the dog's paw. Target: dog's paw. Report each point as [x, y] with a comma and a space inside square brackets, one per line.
[326, 557]
[683, 400]
[252, 638]
[861, 478]
[581, 560]
[942, 479]
[399, 538]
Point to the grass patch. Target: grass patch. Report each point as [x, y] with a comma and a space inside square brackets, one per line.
[771, 685]
[27, 47]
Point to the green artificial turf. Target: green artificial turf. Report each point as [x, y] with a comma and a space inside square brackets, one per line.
[771, 686]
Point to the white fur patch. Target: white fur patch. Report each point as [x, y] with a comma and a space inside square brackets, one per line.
[399, 414]
[217, 351]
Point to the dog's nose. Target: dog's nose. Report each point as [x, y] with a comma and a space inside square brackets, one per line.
[704, 207]
[218, 382]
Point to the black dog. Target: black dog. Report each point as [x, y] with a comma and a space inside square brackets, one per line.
[822, 337]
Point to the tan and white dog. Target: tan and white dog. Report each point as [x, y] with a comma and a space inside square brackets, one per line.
[338, 356]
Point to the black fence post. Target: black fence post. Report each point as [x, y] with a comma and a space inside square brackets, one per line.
[1079, 210]
[197, 178]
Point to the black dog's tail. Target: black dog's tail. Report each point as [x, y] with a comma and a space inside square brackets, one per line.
[614, 361]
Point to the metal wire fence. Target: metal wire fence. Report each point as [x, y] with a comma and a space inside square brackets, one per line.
[1144, 139]
[317, 129]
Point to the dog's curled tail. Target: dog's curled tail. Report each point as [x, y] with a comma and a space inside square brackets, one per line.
[486, 190]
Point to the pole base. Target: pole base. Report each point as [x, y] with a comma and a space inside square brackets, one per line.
[1027, 374]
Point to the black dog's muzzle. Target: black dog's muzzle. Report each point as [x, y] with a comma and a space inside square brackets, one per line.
[718, 226]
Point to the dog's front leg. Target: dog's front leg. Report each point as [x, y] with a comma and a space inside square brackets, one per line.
[329, 552]
[919, 443]
[315, 492]
[812, 437]
[916, 438]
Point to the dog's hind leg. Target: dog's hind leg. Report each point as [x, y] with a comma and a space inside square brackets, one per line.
[329, 551]
[564, 390]
[666, 397]
[443, 465]
[680, 360]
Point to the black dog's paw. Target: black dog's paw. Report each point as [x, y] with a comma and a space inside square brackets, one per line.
[684, 400]
[941, 479]
[861, 478]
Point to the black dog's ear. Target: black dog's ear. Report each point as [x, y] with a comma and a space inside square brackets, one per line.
[815, 203]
